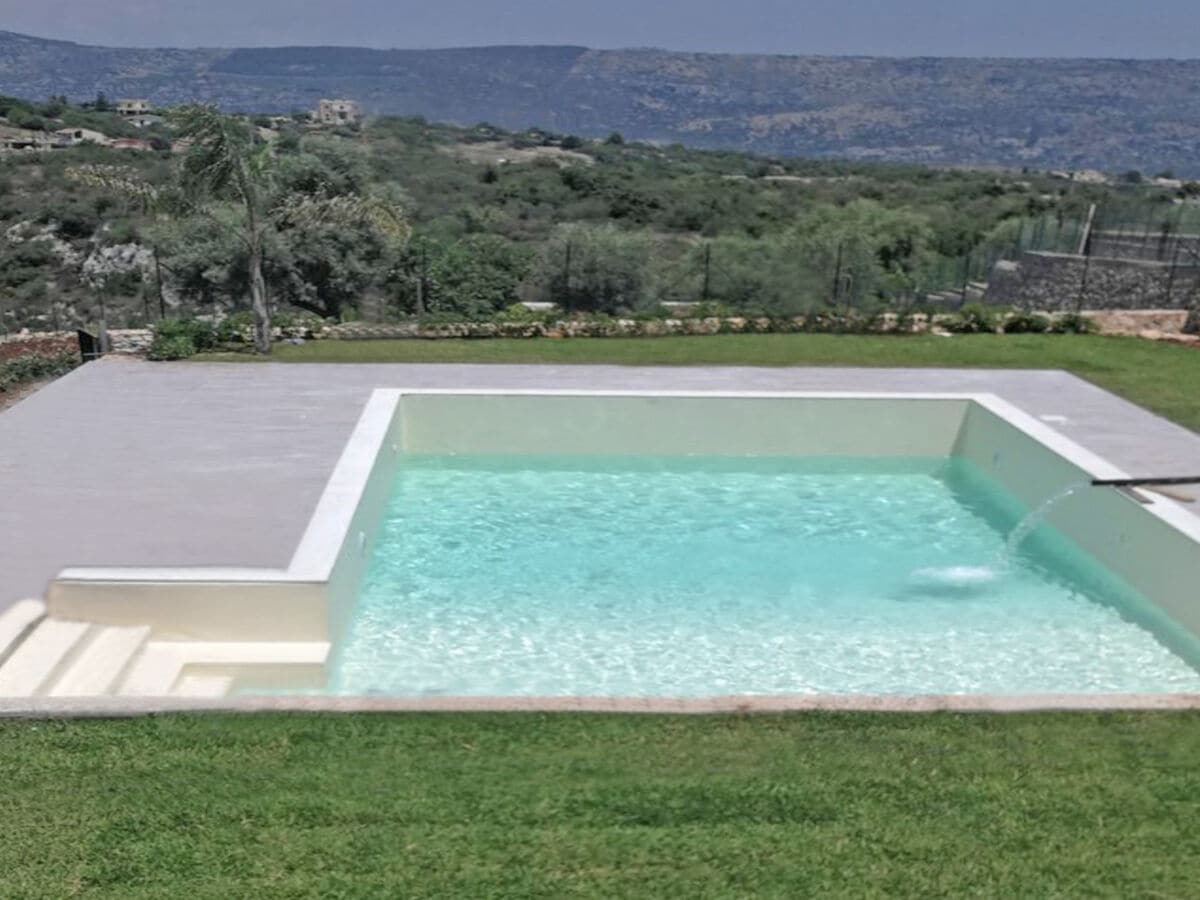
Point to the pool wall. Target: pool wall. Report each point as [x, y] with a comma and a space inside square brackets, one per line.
[1150, 542]
[679, 424]
[1154, 544]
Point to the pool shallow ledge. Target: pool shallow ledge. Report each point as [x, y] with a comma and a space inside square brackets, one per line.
[1150, 542]
[250, 604]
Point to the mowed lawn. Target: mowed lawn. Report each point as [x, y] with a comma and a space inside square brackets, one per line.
[521, 805]
[1162, 377]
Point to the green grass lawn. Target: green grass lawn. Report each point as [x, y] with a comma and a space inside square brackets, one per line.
[1162, 377]
[806, 805]
[811, 805]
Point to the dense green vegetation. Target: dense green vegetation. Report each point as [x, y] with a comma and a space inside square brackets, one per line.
[828, 805]
[1162, 377]
[500, 217]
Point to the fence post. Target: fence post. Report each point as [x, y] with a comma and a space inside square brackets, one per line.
[567, 280]
[1171, 274]
[1086, 238]
[837, 276]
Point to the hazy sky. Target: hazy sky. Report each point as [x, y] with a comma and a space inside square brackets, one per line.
[1112, 28]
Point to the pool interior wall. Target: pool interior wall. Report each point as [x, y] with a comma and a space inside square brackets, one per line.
[1153, 546]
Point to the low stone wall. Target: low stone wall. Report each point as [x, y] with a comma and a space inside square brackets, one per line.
[130, 340]
[1157, 324]
[1060, 281]
[121, 340]
[43, 343]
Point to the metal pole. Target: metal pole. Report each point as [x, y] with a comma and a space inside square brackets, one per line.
[1086, 237]
[1171, 275]
[837, 276]
[162, 300]
[567, 279]
[421, 283]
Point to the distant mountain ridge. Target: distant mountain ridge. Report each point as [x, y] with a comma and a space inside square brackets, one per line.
[1043, 113]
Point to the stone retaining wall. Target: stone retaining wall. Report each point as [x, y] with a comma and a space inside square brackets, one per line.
[1140, 245]
[1060, 281]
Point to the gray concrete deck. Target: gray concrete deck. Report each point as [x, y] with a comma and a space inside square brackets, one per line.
[128, 463]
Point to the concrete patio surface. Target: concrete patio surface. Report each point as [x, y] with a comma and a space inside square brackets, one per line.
[130, 463]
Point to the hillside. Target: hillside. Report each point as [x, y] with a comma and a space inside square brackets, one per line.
[501, 217]
[1106, 114]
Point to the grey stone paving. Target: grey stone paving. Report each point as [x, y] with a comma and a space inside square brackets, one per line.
[132, 463]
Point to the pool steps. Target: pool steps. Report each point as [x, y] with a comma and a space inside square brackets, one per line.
[99, 667]
[15, 622]
[42, 656]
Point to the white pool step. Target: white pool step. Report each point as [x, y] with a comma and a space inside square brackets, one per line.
[159, 670]
[16, 621]
[41, 657]
[206, 686]
[100, 664]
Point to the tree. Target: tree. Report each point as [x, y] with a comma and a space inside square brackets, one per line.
[597, 268]
[230, 177]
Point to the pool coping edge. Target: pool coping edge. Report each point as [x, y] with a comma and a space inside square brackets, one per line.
[124, 707]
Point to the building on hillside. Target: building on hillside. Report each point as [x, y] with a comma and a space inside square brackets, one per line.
[338, 112]
[130, 108]
[131, 144]
[24, 139]
[73, 136]
[144, 121]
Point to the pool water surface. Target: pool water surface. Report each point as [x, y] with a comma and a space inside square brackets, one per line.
[699, 576]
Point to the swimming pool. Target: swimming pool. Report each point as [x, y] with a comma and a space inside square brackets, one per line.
[551, 575]
[475, 543]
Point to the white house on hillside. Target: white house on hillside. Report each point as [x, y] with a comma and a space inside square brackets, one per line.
[130, 108]
[338, 112]
[82, 136]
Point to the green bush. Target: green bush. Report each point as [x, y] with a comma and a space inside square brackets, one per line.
[35, 366]
[520, 314]
[710, 309]
[1026, 323]
[443, 317]
[972, 319]
[176, 346]
[235, 327]
[294, 320]
[181, 338]
[1072, 323]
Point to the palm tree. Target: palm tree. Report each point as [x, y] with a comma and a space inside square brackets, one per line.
[226, 166]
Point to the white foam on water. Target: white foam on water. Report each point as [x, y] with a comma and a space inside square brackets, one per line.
[958, 574]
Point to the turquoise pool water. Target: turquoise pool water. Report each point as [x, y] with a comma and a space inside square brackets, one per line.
[684, 577]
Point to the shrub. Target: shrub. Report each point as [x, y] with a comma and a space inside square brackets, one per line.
[176, 346]
[1026, 323]
[443, 317]
[235, 327]
[299, 323]
[710, 309]
[181, 338]
[1072, 323]
[34, 366]
[971, 319]
[520, 314]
